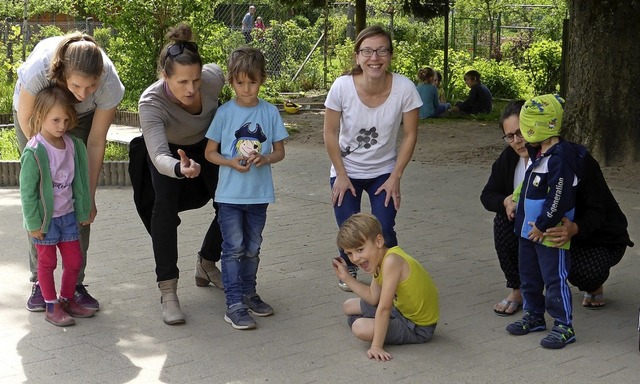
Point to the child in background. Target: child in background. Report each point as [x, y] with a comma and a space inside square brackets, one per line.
[249, 134]
[479, 99]
[54, 191]
[547, 195]
[401, 304]
[428, 92]
[259, 24]
[442, 96]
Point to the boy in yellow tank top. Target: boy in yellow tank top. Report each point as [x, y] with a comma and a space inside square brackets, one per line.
[401, 304]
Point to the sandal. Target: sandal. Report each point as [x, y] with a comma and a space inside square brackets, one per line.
[510, 307]
[591, 301]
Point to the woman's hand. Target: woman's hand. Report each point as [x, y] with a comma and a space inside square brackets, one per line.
[92, 214]
[392, 188]
[510, 207]
[341, 185]
[562, 234]
[189, 168]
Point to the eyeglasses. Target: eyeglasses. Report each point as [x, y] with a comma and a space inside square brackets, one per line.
[176, 49]
[368, 52]
[509, 137]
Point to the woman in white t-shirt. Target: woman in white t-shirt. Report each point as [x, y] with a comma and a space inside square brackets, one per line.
[73, 62]
[364, 110]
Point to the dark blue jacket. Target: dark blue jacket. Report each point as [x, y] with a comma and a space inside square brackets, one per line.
[549, 187]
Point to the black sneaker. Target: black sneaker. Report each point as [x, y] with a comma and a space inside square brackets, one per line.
[85, 299]
[257, 306]
[238, 316]
[559, 336]
[353, 271]
[36, 301]
[528, 323]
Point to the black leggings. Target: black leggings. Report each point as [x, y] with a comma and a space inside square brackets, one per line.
[590, 265]
[164, 220]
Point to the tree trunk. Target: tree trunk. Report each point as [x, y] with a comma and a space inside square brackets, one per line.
[361, 15]
[603, 80]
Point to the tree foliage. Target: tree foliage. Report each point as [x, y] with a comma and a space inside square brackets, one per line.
[141, 26]
[14, 9]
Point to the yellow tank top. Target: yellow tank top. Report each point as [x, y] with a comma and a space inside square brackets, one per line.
[416, 296]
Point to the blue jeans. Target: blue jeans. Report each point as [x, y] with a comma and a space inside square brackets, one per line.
[241, 226]
[350, 205]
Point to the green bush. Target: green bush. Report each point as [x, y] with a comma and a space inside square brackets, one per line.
[542, 63]
[502, 79]
[8, 145]
[9, 148]
[6, 89]
[116, 152]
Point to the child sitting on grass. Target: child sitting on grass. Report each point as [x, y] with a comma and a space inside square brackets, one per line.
[401, 304]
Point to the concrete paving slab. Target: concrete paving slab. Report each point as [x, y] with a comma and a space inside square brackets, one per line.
[441, 222]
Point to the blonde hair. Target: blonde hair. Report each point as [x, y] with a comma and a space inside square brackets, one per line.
[357, 229]
[247, 60]
[77, 53]
[44, 102]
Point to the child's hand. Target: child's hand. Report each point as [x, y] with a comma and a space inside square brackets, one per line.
[535, 234]
[83, 223]
[241, 164]
[258, 159]
[37, 234]
[340, 268]
[379, 354]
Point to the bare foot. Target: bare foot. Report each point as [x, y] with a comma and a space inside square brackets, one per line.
[594, 300]
[509, 305]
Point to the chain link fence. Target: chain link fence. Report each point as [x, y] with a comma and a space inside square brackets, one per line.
[473, 36]
[283, 51]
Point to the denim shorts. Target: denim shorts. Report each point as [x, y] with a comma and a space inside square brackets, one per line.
[401, 330]
[61, 229]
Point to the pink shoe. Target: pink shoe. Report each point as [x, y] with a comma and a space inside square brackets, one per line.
[74, 309]
[57, 316]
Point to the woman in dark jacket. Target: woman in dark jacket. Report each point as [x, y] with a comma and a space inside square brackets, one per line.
[599, 236]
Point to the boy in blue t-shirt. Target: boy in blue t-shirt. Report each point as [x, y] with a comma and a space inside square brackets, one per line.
[245, 137]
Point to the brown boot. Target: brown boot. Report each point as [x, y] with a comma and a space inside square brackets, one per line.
[207, 272]
[171, 312]
[74, 309]
[57, 316]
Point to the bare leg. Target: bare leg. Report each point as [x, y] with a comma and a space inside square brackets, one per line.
[352, 307]
[362, 328]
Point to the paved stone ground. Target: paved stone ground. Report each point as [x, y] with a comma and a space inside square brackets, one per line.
[441, 223]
